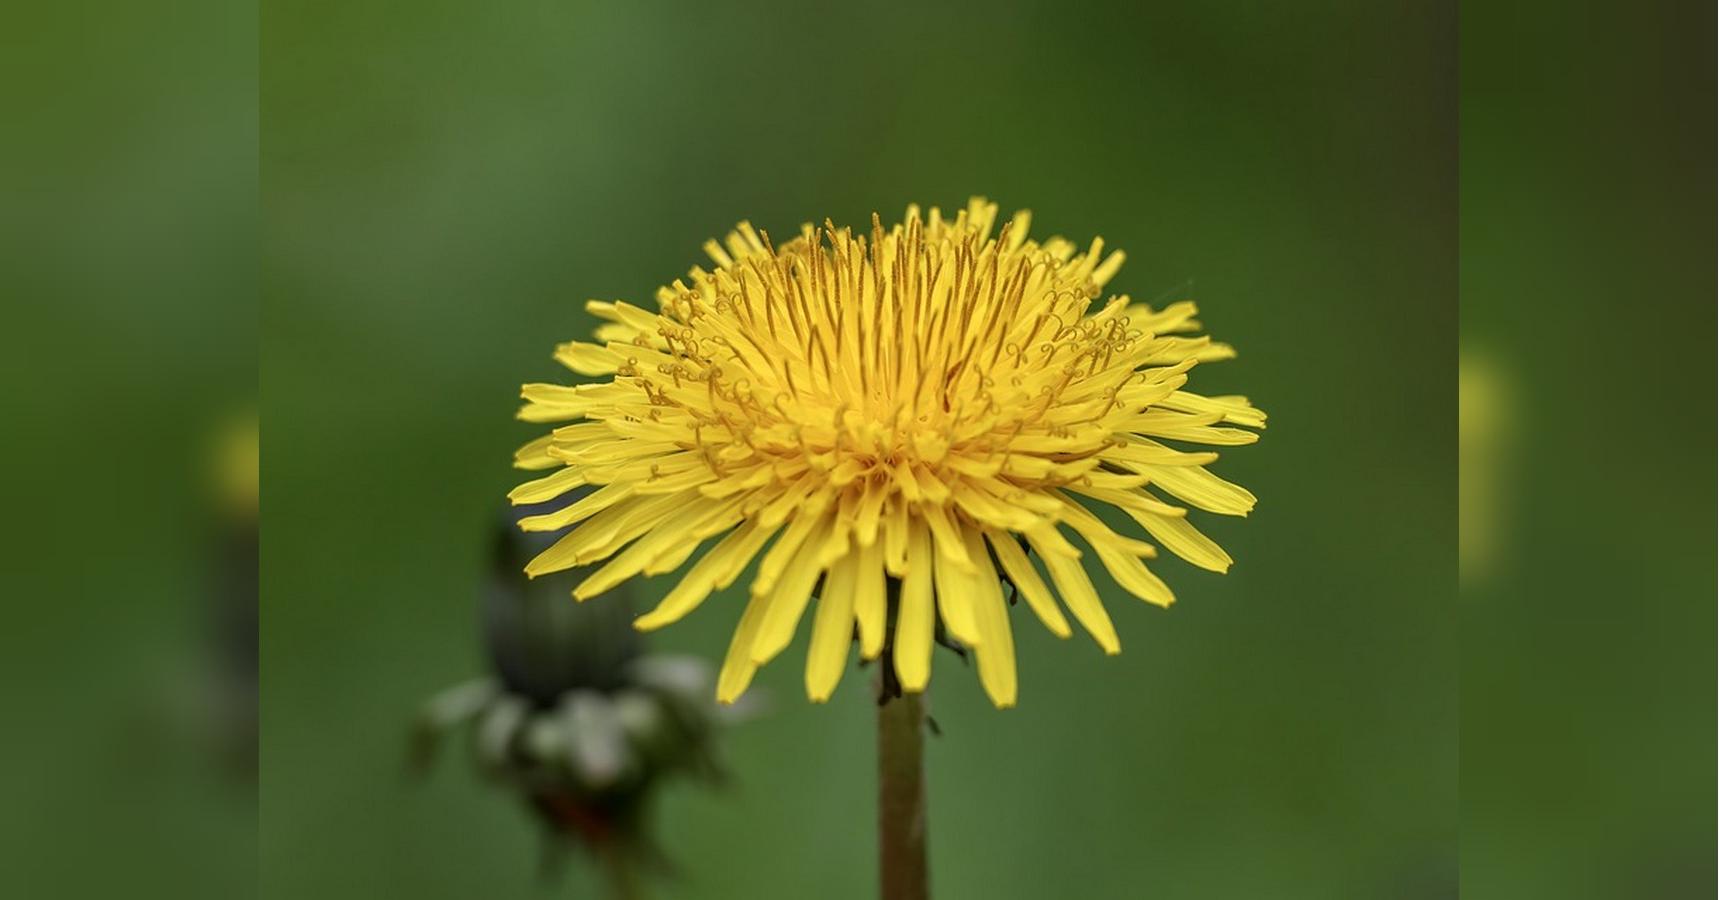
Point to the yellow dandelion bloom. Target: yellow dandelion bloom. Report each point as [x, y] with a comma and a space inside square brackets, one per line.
[895, 425]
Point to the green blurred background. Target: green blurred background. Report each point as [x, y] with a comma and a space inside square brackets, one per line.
[445, 183]
[1588, 295]
[128, 261]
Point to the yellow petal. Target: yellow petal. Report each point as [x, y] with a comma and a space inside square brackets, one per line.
[954, 599]
[572, 548]
[895, 537]
[1107, 270]
[1183, 539]
[588, 359]
[1132, 500]
[870, 513]
[996, 647]
[1201, 488]
[548, 487]
[914, 616]
[675, 557]
[832, 632]
[731, 553]
[684, 521]
[611, 529]
[1079, 595]
[1187, 427]
[1098, 534]
[535, 455]
[871, 606]
[722, 519]
[738, 668]
[583, 508]
[785, 549]
[1027, 581]
[789, 596]
[1148, 452]
[1236, 411]
[982, 507]
[1132, 574]
[950, 547]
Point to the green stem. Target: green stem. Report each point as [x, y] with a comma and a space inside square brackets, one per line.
[623, 875]
[904, 873]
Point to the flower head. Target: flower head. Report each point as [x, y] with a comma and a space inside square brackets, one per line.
[894, 423]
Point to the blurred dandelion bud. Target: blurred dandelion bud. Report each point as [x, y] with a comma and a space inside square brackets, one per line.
[576, 717]
[227, 687]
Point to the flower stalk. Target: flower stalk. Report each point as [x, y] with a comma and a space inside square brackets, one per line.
[903, 869]
[622, 875]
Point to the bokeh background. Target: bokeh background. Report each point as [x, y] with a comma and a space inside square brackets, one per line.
[1588, 623]
[128, 263]
[445, 184]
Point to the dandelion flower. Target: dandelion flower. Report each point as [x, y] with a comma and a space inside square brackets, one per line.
[896, 427]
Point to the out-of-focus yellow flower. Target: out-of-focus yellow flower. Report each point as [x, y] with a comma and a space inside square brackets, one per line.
[889, 423]
[236, 468]
[1482, 439]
